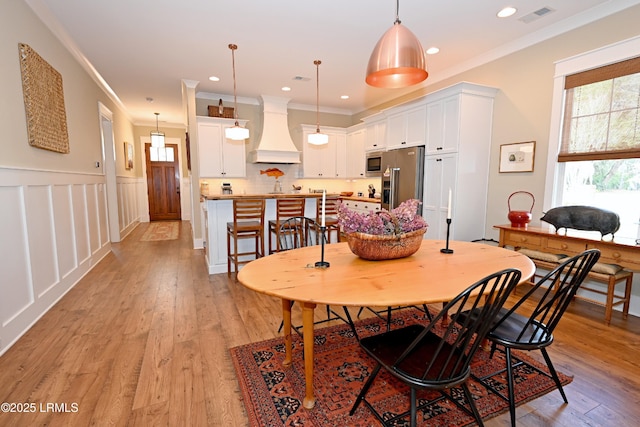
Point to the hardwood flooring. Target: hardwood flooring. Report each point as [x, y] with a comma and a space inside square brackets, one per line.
[143, 340]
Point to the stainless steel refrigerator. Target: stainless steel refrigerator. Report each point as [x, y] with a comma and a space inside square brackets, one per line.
[402, 177]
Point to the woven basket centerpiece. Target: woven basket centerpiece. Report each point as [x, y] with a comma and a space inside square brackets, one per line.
[383, 234]
[380, 247]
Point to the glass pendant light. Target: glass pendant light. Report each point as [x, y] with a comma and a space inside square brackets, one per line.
[398, 59]
[317, 138]
[236, 132]
[157, 137]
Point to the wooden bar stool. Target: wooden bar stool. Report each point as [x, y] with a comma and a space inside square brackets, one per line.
[331, 216]
[285, 209]
[248, 223]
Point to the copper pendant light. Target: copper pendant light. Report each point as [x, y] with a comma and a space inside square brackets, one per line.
[236, 133]
[398, 59]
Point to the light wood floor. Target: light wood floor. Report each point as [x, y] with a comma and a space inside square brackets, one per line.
[143, 340]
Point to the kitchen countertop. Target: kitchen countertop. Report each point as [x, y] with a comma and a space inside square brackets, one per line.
[266, 196]
[285, 196]
[361, 199]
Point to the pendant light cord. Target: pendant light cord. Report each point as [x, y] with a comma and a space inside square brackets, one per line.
[157, 128]
[397, 12]
[233, 47]
[317, 62]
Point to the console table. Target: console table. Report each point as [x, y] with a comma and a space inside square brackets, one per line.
[622, 253]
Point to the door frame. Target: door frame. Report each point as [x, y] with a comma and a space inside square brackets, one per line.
[144, 215]
[105, 117]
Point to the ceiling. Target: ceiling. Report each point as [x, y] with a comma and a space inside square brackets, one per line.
[143, 49]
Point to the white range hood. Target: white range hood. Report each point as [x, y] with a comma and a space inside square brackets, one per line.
[275, 144]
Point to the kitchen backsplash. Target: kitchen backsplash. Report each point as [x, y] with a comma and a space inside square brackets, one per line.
[261, 183]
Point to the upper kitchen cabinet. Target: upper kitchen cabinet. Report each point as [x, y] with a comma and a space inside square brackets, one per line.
[218, 156]
[454, 116]
[406, 126]
[355, 152]
[324, 161]
[375, 132]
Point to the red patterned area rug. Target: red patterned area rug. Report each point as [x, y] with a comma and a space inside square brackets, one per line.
[161, 230]
[273, 394]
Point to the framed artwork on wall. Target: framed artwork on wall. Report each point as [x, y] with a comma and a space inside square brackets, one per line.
[128, 156]
[517, 157]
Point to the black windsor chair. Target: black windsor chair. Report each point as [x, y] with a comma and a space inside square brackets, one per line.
[514, 329]
[424, 359]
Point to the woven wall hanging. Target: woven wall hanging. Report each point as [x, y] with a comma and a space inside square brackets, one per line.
[43, 102]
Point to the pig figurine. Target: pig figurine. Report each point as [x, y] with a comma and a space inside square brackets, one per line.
[583, 218]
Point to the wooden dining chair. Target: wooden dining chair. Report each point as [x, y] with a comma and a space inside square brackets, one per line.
[428, 360]
[285, 208]
[533, 330]
[248, 223]
[298, 232]
[331, 216]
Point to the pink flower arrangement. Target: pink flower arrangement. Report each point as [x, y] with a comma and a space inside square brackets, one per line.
[402, 219]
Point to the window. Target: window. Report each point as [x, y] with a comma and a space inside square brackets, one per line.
[161, 154]
[602, 119]
[613, 185]
[596, 115]
[599, 156]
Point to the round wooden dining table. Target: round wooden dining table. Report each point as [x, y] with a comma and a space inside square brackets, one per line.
[428, 276]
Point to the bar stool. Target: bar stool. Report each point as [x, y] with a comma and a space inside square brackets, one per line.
[285, 208]
[331, 216]
[248, 223]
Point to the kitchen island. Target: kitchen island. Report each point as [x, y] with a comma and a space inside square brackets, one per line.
[218, 210]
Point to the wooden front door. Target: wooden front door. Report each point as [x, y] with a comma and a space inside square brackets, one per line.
[163, 182]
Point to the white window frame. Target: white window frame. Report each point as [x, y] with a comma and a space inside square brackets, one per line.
[610, 54]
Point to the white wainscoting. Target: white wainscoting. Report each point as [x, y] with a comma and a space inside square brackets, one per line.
[129, 190]
[54, 230]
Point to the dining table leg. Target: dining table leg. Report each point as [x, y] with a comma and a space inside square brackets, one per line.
[307, 333]
[286, 327]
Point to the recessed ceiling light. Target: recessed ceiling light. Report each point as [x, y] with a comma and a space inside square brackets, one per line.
[344, 97]
[214, 79]
[432, 50]
[286, 89]
[506, 12]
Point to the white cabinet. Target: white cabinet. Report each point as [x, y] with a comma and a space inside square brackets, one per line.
[439, 177]
[406, 127]
[341, 155]
[443, 125]
[459, 121]
[361, 206]
[217, 155]
[375, 132]
[355, 157]
[328, 160]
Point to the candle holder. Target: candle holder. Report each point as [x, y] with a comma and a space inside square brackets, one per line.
[446, 249]
[322, 263]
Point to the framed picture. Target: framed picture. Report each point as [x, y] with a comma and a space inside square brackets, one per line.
[517, 157]
[128, 155]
